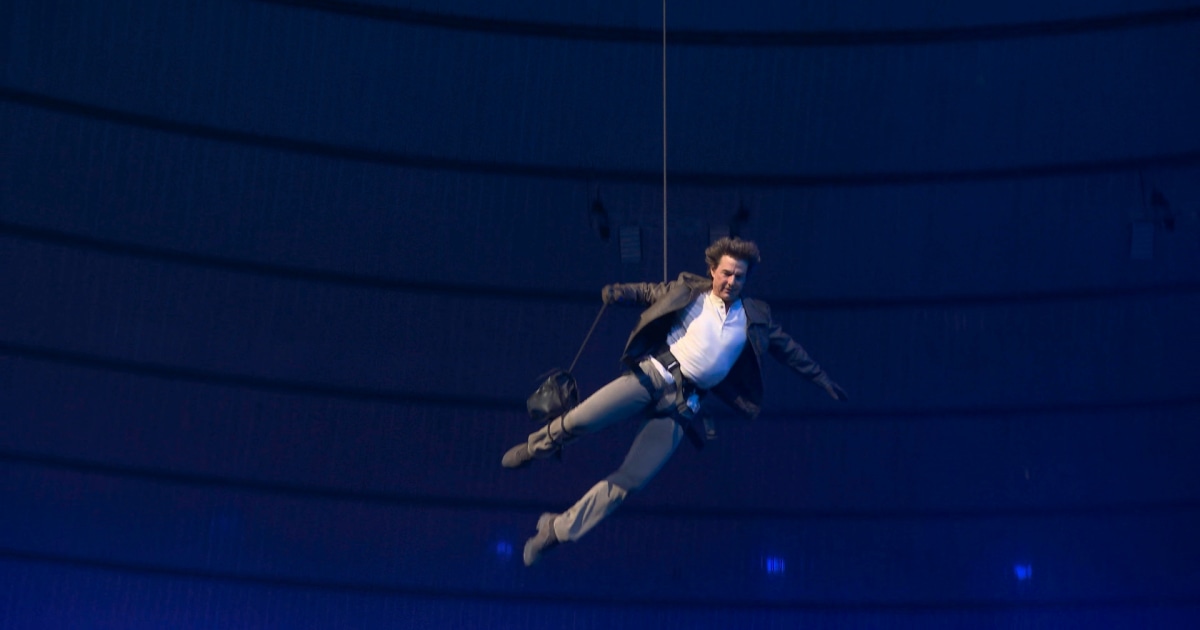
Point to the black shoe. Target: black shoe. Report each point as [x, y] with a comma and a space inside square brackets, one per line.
[544, 539]
[517, 456]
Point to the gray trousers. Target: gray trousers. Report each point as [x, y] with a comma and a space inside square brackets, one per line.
[628, 396]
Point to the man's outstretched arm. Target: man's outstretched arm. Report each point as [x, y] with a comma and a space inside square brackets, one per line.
[634, 293]
[787, 351]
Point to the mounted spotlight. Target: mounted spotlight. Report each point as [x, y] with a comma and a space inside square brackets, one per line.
[631, 244]
[739, 220]
[598, 218]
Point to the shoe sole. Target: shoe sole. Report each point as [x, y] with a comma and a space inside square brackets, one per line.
[544, 522]
[520, 463]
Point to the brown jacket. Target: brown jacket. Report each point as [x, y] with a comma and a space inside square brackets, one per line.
[742, 388]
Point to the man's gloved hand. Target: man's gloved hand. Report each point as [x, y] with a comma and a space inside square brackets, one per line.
[608, 294]
[835, 391]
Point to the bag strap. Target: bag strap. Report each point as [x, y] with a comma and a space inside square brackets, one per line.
[587, 338]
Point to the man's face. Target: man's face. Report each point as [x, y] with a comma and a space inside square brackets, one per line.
[729, 276]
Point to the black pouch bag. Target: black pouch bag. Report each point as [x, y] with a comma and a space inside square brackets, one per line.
[556, 395]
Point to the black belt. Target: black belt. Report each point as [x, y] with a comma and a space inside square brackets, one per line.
[684, 388]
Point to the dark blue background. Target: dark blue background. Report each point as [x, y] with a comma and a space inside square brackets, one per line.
[276, 277]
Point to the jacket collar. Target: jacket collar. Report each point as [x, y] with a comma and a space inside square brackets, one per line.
[756, 312]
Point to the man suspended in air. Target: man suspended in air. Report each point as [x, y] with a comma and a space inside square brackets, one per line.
[697, 336]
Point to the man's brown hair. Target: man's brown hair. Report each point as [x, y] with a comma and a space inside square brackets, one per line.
[735, 248]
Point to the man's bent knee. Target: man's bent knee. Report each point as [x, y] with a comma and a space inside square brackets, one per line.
[627, 482]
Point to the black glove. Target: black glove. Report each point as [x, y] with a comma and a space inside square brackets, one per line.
[608, 294]
[835, 391]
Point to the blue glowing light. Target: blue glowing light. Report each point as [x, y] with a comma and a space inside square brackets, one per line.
[504, 549]
[775, 565]
[1023, 571]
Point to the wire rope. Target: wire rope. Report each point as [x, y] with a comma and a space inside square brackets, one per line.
[664, 138]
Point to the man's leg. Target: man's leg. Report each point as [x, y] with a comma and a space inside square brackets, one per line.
[651, 449]
[653, 446]
[627, 396]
